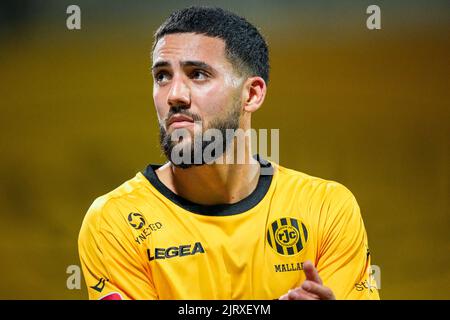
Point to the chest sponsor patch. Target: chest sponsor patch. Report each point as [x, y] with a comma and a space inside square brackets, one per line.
[178, 251]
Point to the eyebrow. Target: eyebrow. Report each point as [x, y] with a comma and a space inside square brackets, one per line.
[189, 63]
[198, 64]
[160, 64]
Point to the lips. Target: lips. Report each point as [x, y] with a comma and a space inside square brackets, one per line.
[179, 118]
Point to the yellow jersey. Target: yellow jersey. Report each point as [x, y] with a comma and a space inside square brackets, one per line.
[142, 241]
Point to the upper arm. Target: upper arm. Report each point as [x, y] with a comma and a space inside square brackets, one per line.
[343, 260]
[112, 265]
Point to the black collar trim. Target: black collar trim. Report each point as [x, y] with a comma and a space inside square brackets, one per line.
[244, 205]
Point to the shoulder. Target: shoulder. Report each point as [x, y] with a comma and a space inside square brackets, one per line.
[110, 210]
[312, 186]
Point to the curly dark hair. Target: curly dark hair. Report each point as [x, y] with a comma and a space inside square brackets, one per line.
[245, 47]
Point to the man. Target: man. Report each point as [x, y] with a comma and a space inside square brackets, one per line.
[203, 227]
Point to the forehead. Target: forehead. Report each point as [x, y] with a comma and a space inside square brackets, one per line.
[190, 46]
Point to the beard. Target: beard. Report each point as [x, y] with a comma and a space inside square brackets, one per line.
[193, 154]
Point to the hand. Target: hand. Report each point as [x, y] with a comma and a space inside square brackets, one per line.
[311, 289]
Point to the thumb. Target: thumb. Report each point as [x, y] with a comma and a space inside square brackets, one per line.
[311, 272]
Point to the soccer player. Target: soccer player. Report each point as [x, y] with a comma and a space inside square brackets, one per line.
[206, 229]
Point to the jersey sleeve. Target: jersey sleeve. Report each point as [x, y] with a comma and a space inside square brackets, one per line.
[343, 260]
[113, 266]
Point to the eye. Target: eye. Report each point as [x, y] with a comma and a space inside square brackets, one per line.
[198, 74]
[162, 76]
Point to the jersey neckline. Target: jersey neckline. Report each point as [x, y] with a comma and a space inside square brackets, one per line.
[241, 206]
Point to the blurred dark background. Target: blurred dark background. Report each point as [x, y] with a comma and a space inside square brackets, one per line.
[367, 108]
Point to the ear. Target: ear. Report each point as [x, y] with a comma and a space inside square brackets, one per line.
[253, 93]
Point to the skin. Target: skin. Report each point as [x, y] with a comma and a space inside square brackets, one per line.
[311, 289]
[192, 70]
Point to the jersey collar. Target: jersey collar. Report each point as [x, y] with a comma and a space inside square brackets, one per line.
[244, 205]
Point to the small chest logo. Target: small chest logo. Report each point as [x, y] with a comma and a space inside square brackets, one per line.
[136, 220]
[287, 236]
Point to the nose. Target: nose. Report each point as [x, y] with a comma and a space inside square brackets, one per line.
[179, 93]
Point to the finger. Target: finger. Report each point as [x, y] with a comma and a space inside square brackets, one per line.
[311, 272]
[324, 293]
[283, 297]
[300, 294]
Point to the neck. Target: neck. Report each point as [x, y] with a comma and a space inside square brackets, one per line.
[211, 184]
